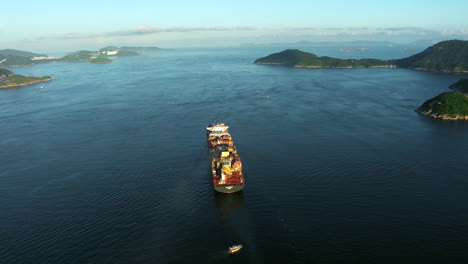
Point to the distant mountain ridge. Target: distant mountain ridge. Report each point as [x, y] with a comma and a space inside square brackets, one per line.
[446, 56]
[130, 48]
[12, 57]
[326, 43]
[301, 59]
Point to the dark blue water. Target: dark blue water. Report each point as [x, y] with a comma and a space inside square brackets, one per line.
[109, 164]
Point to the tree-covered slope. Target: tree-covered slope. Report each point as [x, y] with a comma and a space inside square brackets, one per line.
[10, 61]
[4, 73]
[461, 86]
[445, 56]
[17, 80]
[298, 58]
[448, 105]
[83, 55]
[108, 48]
[123, 53]
[13, 52]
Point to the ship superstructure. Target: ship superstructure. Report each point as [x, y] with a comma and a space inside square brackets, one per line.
[226, 166]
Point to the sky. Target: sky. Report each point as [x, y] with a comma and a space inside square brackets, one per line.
[60, 26]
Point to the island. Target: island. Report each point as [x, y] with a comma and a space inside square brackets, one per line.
[448, 105]
[300, 59]
[445, 56]
[9, 80]
[116, 51]
[100, 56]
[15, 58]
[82, 55]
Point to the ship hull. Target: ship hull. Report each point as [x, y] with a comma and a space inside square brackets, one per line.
[226, 166]
[228, 188]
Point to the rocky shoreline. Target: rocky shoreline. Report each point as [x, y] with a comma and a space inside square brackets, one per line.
[429, 113]
[13, 85]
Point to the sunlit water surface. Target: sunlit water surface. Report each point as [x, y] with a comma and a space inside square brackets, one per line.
[109, 163]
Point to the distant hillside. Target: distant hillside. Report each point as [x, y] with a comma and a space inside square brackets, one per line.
[116, 52]
[122, 53]
[101, 56]
[108, 48]
[4, 73]
[82, 55]
[13, 52]
[446, 56]
[11, 61]
[461, 86]
[301, 59]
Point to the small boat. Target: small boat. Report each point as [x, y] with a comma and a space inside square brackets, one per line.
[42, 87]
[235, 248]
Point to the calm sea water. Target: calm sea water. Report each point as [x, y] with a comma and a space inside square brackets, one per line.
[109, 163]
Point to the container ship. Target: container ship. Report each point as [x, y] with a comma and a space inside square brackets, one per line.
[226, 166]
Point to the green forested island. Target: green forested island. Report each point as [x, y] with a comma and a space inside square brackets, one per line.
[15, 80]
[447, 105]
[8, 79]
[82, 55]
[116, 52]
[100, 56]
[446, 56]
[13, 58]
[301, 59]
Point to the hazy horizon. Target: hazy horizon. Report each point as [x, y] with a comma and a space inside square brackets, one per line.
[54, 26]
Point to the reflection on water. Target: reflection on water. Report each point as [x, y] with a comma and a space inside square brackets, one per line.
[230, 205]
[339, 167]
[235, 216]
